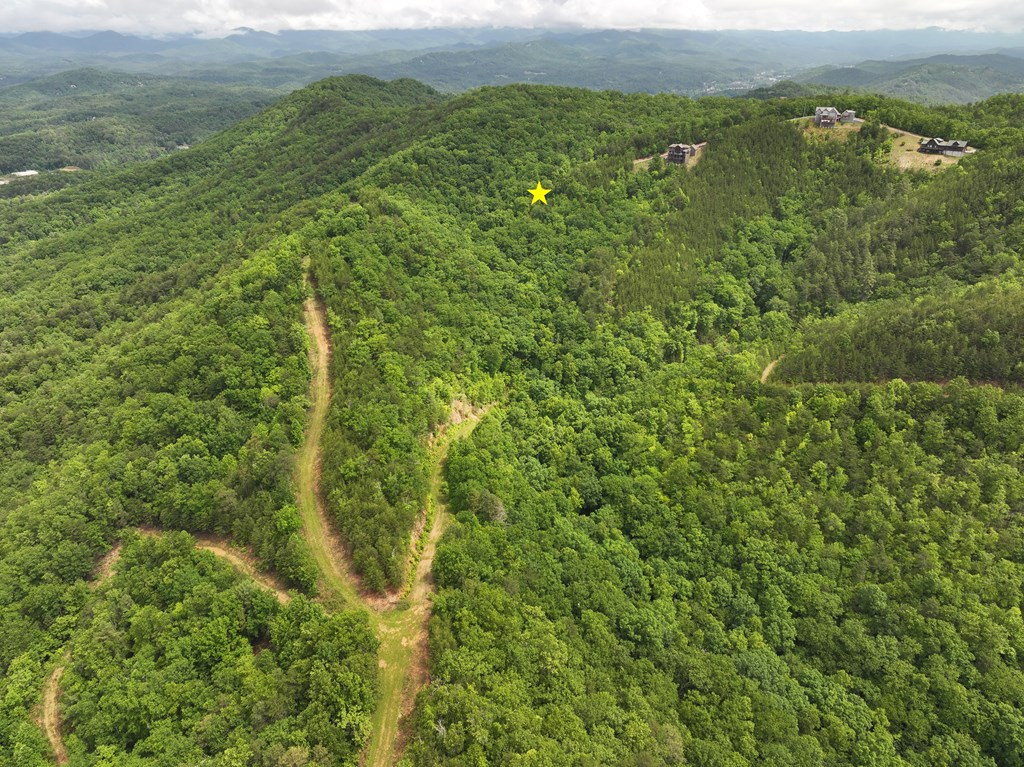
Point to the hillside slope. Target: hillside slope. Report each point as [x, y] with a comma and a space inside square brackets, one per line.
[973, 333]
[653, 557]
[154, 373]
[89, 118]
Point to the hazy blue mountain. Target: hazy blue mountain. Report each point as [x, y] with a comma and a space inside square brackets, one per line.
[944, 78]
[679, 61]
[102, 43]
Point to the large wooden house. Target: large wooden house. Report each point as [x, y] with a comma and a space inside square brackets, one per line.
[680, 153]
[939, 146]
[826, 117]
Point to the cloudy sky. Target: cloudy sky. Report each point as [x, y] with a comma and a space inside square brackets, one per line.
[215, 16]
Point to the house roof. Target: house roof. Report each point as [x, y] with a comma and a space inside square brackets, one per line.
[952, 144]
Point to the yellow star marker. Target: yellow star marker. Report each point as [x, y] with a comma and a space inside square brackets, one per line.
[539, 194]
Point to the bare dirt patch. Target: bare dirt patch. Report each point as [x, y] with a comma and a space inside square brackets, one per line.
[51, 713]
[814, 132]
[769, 368]
[644, 162]
[105, 567]
[701, 147]
[904, 153]
[461, 410]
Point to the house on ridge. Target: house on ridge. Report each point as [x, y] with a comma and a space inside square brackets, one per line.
[939, 146]
[826, 117]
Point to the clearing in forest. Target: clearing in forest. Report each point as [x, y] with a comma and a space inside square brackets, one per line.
[903, 155]
[644, 162]
[841, 131]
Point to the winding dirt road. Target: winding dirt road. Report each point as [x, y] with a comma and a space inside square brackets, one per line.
[769, 368]
[244, 564]
[338, 586]
[399, 623]
[403, 632]
[50, 719]
[49, 715]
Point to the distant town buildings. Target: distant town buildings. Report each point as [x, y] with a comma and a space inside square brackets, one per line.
[939, 146]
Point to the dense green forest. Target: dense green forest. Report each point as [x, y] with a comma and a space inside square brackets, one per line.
[168, 668]
[88, 118]
[655, 558]
[154, 372]
[973, 332]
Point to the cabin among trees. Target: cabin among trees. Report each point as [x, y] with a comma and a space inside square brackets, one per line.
[680, 153]
[683, 153]
[827, 117]
[952, 148]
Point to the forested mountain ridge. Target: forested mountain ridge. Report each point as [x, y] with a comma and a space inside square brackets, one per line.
[939, 79]
[154, 372]
[656, 559]
[89, 118]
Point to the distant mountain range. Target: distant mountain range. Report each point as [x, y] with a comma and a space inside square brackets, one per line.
[91, 118]
[925, 65]
[937, 79]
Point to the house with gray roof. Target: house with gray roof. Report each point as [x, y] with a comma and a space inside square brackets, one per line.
[826, 117]
[939, 146]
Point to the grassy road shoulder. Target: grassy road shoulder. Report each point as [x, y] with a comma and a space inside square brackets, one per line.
[403, 630]
[400, 621]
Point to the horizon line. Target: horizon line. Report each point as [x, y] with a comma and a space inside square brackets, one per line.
[223, 33]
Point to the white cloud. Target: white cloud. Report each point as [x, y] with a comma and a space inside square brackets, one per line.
[152, 16]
